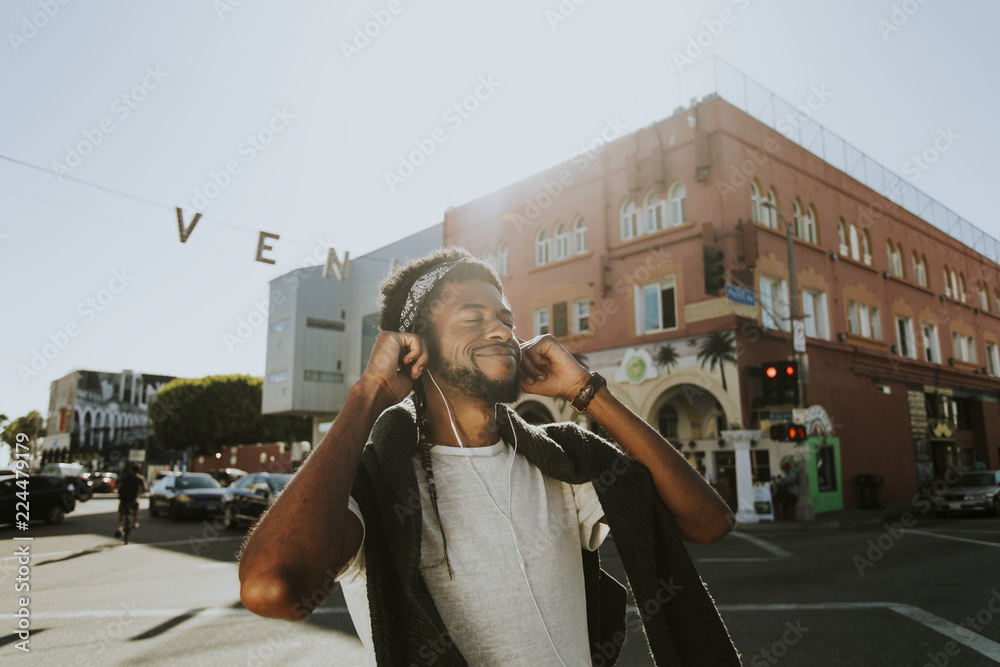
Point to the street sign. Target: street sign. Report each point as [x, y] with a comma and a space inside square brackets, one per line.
[799, 336]
[740, 295]
[780, 416]
[137, 455]
[800, 415]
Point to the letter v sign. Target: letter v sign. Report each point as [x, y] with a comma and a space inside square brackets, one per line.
[185, 233]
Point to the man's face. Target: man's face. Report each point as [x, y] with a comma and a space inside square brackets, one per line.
[472, 343]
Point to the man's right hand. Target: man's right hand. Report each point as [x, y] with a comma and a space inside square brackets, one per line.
[397, 361]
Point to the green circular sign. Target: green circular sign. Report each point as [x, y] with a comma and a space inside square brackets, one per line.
[635, 369]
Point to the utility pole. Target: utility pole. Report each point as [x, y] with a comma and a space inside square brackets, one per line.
[804, 509]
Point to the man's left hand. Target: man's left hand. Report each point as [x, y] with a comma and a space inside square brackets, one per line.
[547, 369]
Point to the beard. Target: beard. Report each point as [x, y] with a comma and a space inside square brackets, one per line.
[474, 383]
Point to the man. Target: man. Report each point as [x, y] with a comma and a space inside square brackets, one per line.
[460, 534]
[129, 488]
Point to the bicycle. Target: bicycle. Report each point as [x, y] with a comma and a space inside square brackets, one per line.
[129, 518]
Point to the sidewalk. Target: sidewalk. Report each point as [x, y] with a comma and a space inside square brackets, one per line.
[851, 518]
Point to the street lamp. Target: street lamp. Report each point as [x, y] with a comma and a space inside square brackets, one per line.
[804, 509]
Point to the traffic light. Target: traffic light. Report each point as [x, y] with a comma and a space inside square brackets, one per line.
[715, 272]
[781, 383]
[791, 432]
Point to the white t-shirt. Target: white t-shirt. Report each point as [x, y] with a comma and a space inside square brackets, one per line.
[487, 608]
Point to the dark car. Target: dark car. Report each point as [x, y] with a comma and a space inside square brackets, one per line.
[103, 482]
[185, 494]
[49, 497]
[248, 497]
[973, 492]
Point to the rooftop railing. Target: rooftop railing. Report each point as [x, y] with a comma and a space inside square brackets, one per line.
[715, 75]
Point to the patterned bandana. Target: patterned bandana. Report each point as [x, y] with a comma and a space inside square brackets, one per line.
[422, 286]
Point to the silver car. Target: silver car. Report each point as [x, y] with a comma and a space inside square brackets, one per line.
[973, 492]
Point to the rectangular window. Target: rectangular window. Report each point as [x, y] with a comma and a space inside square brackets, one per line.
[853, 319]
[984, 300]
[656, 307]
[541, 321]
[281, 325]
[971, 343]
[876, 323]
[814, 310]
[280, 376]
[904, 337]
[329, 325]
[324, 376]
[931, 352]
[774, 303]
[992, 359]
[581, 316]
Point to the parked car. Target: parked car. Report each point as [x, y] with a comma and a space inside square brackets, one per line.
[248, 497]
[103, 482]
[185, 494]
[77, 474]
[49, 497]
[227, 476]
[973, 492]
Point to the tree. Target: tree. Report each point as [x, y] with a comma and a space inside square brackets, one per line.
[717, 350]
[30, 424]
[666, 357]
[212, 412]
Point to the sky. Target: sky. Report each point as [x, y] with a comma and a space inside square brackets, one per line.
[286, 117]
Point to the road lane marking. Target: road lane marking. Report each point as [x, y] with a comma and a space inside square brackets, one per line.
[777, 552]
[212, 612]
[951, 537]
[136, 545]
[963, 636]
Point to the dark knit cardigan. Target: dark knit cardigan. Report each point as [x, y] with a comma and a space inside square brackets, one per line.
[681, 623]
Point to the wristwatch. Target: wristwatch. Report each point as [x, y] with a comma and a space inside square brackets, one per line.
[586, 395]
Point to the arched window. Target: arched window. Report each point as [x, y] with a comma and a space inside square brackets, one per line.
[541, 248]
[487, 256]
[677, 201]
[561, 240]
[854, 243]
[667, 422]
[919, 270]
[842, 237]
[983, 293]
[757, 210]
[809, 226]
[866, 247]
[629, 220]
[895, 258]
[771, 211]
[899, 260]
[580, 236]
[502, 260]
[948, 275]
[797, 219]
[961, 287]
[652, 209]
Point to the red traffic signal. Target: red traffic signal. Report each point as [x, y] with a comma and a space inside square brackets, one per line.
[790, 432]
[781, 383]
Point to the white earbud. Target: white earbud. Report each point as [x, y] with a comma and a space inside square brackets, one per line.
[517, 548]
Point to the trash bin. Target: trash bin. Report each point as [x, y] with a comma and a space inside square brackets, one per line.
[871, 490]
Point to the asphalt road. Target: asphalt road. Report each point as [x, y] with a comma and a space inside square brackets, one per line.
[866, 596]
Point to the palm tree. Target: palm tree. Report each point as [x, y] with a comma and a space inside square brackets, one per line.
[717, 350]
[666, 357]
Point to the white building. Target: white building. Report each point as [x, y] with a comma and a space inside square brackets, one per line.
[321, 329]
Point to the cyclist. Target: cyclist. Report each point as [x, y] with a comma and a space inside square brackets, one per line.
[129, 488]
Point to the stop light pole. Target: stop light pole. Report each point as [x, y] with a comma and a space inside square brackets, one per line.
[804, 509]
